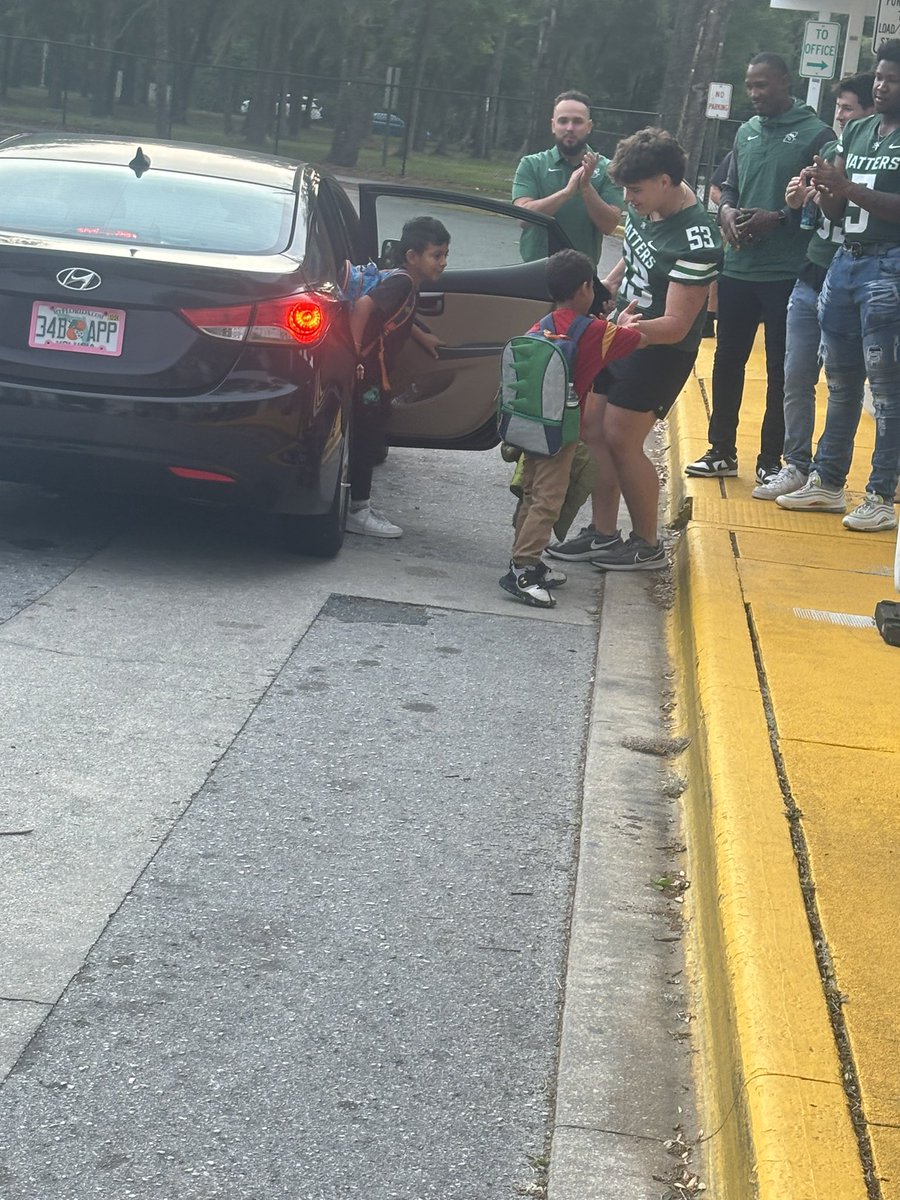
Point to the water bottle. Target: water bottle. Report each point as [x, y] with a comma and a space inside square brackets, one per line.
[809, 215]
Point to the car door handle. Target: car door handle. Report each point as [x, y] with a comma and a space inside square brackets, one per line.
[431, 304]
[484, 350]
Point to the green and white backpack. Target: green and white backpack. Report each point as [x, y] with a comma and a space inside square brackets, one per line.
[537, 408]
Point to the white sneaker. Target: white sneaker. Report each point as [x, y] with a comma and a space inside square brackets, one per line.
[552, 577]
[813, 496]
[874, 513]
[371, 523]
[788, 479]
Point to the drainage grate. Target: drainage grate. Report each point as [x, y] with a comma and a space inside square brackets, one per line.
[854, 620]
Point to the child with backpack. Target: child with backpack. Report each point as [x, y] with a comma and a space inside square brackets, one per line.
[382, 319]
[589, 344]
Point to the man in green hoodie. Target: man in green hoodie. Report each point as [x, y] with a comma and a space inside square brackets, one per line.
[764, 250]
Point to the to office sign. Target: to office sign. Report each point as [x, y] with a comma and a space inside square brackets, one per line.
[820, 46]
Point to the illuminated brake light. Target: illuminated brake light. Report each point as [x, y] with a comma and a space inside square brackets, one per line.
[203, 476]
[303, 319]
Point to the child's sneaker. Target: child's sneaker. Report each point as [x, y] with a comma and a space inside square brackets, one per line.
[583, 545]
[552, 577]
[874, 513]
[530, 585]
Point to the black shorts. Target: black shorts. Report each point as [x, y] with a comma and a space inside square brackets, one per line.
[649, 380]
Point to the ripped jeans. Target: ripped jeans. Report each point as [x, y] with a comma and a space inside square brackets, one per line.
[859, 311]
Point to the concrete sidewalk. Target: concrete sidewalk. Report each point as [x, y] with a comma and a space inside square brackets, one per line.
[793, 824]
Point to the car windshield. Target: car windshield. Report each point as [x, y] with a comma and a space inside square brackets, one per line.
[161, 208]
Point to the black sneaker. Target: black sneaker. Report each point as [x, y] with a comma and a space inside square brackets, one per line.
[765, 471]
[528, 585]
[633, 555]
[713, 465]
[584, 545]
[709, 325]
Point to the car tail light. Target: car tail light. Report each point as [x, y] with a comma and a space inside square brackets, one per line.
[301, 319]
[230, 323]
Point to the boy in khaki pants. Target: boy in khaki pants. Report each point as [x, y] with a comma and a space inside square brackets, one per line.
[570, 282]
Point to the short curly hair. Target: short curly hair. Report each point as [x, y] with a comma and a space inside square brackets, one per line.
[646, 154]
[889, 51]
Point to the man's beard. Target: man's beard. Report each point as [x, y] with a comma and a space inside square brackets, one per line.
[575, 150]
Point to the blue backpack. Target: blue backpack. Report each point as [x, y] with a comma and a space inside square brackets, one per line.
[537, 408]
[357, 281]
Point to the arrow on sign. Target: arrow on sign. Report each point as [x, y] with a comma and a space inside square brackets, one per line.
[818, 66]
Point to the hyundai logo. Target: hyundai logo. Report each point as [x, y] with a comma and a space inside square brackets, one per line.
[78, 279]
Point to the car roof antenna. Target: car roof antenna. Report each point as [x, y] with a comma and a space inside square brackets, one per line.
[140, 163]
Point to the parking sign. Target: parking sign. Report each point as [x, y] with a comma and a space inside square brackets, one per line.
[718, 101]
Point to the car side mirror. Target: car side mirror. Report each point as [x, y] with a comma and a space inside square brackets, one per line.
[388, 256]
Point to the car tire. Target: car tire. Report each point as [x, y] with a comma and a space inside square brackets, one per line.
[321, 536]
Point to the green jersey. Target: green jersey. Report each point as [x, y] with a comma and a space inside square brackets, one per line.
[539, 176]
[828, 235]
[683, 248]
[873, 162]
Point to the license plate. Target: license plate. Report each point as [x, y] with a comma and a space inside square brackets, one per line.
[76, 328]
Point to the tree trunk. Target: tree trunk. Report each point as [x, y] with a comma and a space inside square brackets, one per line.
[423, 46]
[697, 41]
[544, 84]
[270, 54]
[184, 69]
[487, 122]
[163, 54]
[354, 105]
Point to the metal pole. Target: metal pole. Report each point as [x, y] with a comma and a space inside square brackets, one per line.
[853, 40]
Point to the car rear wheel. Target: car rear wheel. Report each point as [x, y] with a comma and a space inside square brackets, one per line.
[321, 536]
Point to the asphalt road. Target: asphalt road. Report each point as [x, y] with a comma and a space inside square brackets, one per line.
[292, 917]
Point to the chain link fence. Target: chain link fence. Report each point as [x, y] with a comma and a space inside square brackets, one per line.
[66, 85]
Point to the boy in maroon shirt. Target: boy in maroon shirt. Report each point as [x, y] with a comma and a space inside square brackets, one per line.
[570, 282]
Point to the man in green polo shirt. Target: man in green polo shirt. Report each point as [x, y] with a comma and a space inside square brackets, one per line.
[568, 182]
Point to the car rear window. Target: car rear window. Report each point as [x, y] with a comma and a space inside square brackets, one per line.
[161, 208]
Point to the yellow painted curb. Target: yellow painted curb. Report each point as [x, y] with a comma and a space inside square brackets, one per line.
[775, 1115]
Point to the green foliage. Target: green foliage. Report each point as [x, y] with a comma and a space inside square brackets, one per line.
[754, 28]
[451, 53]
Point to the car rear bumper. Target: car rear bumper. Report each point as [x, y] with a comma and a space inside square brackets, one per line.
[279, 450]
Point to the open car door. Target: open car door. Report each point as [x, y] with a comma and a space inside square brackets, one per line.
[485, 296]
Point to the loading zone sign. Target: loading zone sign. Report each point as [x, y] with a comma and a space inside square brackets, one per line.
[818, 59]
[887, 22]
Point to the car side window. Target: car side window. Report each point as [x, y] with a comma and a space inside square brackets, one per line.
[478, 238]
[342, 221]
[319, 257]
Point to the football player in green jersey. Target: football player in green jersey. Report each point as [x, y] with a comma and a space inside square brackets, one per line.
[858, 306]
[671, 254]
[803, 334]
